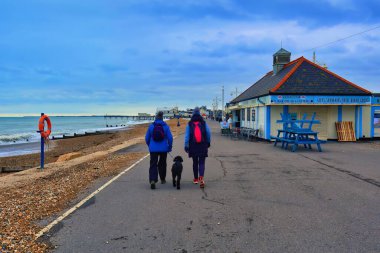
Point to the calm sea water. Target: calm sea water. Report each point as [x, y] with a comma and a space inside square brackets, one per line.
[14, 130]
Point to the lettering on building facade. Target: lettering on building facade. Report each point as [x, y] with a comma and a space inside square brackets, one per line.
[322, 100]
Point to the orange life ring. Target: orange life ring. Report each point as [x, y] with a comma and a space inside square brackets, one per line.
[41, 126]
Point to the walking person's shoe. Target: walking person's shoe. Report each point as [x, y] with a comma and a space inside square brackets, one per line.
[195, 181]
[152, 185]
[163, 181]
[202, 182]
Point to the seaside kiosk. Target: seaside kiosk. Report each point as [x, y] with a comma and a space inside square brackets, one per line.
[301, 86]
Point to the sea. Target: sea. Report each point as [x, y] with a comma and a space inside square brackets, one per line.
[18, 135]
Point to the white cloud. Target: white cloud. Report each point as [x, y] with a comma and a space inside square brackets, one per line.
[344, 4]
[295, 36]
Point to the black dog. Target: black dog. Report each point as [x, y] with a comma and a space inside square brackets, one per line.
[177, 171]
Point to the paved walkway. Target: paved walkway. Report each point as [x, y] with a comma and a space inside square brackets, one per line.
[258, 198]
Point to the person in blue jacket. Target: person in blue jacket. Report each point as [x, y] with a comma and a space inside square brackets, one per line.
[197, 142]
[159, 140]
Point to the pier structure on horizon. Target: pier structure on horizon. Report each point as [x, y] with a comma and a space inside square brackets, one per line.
[130, 117]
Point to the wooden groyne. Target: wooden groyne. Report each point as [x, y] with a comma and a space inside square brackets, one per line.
[65, 136]
[117, 125]
[14, 169]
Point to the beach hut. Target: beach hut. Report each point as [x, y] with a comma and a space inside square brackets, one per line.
[301, 86]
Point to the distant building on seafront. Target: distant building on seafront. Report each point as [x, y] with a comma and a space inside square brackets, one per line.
[142, 114]
[169, 112]
[189, 112]
[204, 112]
[186, 113]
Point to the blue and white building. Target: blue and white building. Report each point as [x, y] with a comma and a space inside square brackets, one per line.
[301, 86]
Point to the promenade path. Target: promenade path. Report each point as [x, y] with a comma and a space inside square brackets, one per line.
[258, 198]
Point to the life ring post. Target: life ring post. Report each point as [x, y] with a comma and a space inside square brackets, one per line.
[42, 149]
[44, 135]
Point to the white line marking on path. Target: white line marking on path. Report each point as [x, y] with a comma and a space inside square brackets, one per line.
[71, 210]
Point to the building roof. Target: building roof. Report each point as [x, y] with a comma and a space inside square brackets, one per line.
[301, 76]
[282, 51]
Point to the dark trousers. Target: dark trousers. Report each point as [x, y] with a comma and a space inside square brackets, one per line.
[199, 165]
[157, 166]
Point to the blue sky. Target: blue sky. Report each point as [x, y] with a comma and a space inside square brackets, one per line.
[129, 56]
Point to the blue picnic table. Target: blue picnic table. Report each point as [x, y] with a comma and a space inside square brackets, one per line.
[295, 133]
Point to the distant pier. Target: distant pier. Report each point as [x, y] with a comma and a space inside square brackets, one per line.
[128, 117]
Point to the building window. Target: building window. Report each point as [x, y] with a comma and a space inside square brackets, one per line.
[376, 120]
[253, 114]
[248, 114]
[243, 114]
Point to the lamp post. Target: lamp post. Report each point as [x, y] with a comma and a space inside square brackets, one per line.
[223, 109]
[235, 93]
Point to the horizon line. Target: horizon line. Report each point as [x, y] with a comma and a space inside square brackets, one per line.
[17, 115]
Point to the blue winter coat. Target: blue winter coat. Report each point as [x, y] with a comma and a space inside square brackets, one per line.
[162, 146]
[197, 149]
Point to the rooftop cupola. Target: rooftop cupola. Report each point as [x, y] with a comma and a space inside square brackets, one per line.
[280, 58]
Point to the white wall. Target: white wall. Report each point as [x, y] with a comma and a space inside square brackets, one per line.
[261, 120]
[275, 115]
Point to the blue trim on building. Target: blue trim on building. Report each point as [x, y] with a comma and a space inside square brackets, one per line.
[320, 100]
[357, 122]
[375, 100]
[340, 113]
[286, 109]
[360, 122]
[372, 118]
[373, 109]
[267, 123]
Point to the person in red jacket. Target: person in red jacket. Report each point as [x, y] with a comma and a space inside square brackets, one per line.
[197, 142]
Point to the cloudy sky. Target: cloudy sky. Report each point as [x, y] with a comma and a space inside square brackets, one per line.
[129, 56]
